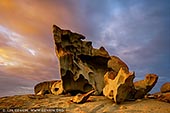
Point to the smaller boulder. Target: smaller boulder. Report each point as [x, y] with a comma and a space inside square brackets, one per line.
[49, 87]
[144, 86]
[165, 87]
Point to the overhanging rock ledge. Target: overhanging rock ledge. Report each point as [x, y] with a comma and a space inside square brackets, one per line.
[83, 67]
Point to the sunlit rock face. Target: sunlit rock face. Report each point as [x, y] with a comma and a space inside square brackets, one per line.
[165, 87]
[83, 67]
[164, 95]
[119, 88]
[49, 87]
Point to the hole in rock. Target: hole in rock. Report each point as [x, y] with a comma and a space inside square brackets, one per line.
[56, 89]
[46, 92]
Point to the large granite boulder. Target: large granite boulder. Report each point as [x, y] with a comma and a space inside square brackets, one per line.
[82, 67]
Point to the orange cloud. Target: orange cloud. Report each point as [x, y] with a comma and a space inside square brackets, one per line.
[26, 41]
[24, 58]
[33, 17]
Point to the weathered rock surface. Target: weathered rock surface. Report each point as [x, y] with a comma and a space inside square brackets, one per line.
[165, 97]
[83, 67]
[82, 98]
[121, 87]
[49, 87]
[86, 69]
[165, 87]
[116, 63]
[57, 88]
[94, 104]
[144, 86]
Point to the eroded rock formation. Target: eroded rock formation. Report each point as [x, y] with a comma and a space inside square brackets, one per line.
[49, 87]
[144, 86]
[121, 87]
[83, 67]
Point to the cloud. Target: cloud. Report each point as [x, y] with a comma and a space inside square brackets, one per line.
[134, 26]
[11, 84]
[19, 57]
[26, 43]
[137, 32]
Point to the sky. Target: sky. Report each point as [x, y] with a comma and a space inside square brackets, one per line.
[137, 31]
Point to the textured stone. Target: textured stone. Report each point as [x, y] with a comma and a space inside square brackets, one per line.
[99, 104]
[165, 97]
[121, 87]
[165, 87]
[82, 67]
[144, 86]
[82, 98]
[116, 63]
[49, 87]
[57, 88]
